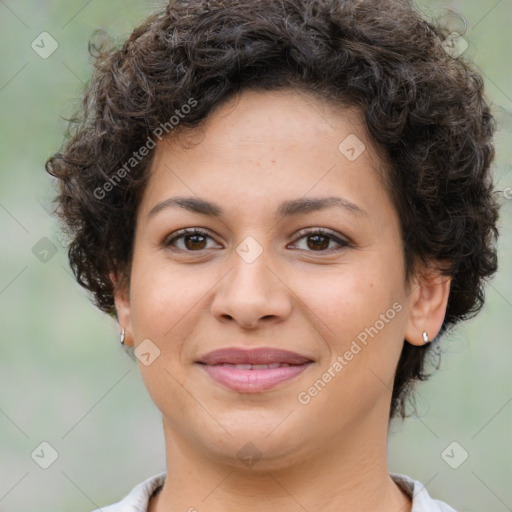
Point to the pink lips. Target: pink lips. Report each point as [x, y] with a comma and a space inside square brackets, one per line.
[255, 370]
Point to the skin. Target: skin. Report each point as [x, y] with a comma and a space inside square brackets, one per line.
[301, 295]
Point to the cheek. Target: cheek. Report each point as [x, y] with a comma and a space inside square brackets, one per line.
[349, 300]
[157, 299]
[362, 316]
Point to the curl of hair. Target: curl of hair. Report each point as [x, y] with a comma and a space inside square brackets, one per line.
[424, 111]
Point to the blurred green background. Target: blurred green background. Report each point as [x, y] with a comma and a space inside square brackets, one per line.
[66, 381]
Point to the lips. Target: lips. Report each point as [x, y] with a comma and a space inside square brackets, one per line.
[255, 356]
[254, 370]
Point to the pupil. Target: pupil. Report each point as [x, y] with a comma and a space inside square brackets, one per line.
[190, 237]
[316, 237]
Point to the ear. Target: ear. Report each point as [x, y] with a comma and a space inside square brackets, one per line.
[122, 303]
[428, 302]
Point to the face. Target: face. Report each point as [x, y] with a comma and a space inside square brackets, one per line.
[268, 268]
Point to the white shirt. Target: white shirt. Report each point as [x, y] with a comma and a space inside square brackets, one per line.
[138, 498]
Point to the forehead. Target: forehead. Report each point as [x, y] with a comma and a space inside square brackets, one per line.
[266, 145]
[270, 121]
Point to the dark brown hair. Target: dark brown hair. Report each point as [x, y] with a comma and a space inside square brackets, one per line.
[423, 110]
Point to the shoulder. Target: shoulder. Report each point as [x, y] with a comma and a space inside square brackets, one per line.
[138, 498]
[421, 500]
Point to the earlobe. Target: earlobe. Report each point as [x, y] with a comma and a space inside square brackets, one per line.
[427, 310]
[122, 304]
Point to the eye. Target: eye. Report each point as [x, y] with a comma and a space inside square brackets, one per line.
[192, 238]
[319, 239]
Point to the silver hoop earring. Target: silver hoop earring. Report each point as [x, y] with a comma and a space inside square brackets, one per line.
[122, 336]
[425, 337]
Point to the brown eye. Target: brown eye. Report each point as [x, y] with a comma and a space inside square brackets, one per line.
[192, 240]
[318, 240]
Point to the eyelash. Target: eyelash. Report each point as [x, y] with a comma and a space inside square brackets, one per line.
[300, 235]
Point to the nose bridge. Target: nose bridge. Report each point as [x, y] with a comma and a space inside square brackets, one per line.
[251, 290]
[251, 260]
[251, 263]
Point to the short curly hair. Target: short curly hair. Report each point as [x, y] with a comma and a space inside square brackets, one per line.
[423, 110]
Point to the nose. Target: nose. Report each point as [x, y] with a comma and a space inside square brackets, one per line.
[252, 294]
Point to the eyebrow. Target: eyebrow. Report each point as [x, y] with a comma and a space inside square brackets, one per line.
[286, 209]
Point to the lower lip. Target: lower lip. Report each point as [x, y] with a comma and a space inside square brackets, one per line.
[252, 381]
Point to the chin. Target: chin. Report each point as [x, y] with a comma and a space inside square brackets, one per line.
[268, 444]
[257, 454]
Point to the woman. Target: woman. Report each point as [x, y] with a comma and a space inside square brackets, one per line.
[285, 205]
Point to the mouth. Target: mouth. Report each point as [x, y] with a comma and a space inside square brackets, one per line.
[253, 371]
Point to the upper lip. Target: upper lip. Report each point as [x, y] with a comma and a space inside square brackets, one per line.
[263, 355]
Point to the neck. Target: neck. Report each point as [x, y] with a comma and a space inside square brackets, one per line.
[349, 474]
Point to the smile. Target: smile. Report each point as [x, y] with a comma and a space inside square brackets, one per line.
[253, 371]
